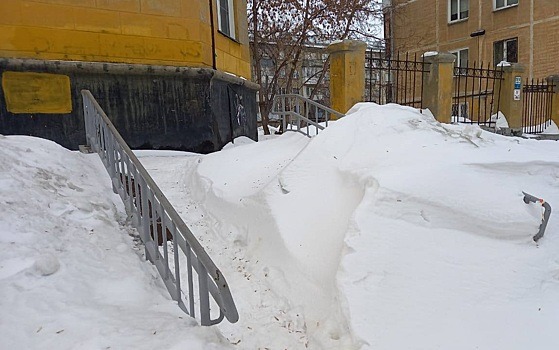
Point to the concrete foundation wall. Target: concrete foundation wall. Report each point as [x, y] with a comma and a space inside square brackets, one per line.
[154, 107]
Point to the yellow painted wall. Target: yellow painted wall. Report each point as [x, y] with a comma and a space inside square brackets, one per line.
[161, 32]
[28, 92]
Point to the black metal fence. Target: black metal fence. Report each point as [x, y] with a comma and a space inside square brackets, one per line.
[537, 104]
[398, 80]
[476, 94]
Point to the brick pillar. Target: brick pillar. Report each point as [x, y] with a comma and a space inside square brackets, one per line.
[437, 85]
[510, 103]
[347, 74]
[554, 80]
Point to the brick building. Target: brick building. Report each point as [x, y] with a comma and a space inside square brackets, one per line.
[524, 31]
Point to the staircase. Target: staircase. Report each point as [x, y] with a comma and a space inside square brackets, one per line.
[303, 115]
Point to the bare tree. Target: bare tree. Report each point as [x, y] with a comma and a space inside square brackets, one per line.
[280, 30]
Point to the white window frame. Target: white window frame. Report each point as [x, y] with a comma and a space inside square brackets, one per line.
[505, 6]
[227, 29]
[458, 54]
[458, 3]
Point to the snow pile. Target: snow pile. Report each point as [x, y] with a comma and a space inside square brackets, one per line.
[388, 230]
[70, 277]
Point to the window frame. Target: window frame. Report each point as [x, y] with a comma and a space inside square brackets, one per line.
[505, 58]
[458, 55]
[230, 30]
[458, 19]
[505, 6]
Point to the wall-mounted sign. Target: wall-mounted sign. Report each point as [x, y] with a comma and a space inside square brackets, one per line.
[517, 94]
[517, 82]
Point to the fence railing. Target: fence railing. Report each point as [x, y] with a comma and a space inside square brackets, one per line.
[398, 80]
[301, 114]
[537, 106]
[476, 94]
[169, 243]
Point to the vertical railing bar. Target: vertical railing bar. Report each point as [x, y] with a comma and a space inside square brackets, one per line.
[381, 72]
[479, 114]
[177, 262]
[414, 77]
[190, 281]
[472, 93]
[406, 80]
[525, 121]
[204, 296]
[164, 245]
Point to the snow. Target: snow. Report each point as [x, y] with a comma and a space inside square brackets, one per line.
[430, 53]
[503, 64]
[387, 230]
[71, 273]
[551, 129]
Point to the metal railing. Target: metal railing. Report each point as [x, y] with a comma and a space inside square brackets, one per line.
[395, 80]
[537, 106]
[528, 198]
[300, 114]
[153, 215]
[476, 94]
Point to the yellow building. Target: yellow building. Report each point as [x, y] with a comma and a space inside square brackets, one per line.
[162, 61]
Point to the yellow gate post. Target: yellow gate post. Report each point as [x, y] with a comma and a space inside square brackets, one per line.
[437, 88]
[347, 74]
[510, 99]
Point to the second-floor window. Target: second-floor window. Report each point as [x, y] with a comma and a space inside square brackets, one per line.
[505, 50]
[226, 18]
[499, 4]
[458, 9]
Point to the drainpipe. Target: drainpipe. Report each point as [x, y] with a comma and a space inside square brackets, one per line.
[212, 26]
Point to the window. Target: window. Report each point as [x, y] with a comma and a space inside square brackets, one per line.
[505, 50]
[226, 18]
[308, 91]
[458, 9]
[500, 4]
[461, 59]
[460, 112]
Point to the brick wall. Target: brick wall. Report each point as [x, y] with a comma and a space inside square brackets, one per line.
[422, 25]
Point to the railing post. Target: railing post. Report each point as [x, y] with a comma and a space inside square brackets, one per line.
[437, 88]
[554, 80]
[347, 74]
[510, 99]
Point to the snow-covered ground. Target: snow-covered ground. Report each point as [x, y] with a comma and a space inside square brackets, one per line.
[71, 274]
[387, 230]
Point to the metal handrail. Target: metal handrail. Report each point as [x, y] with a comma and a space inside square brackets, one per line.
[290, 106]
[153, 215]
[528, 198]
